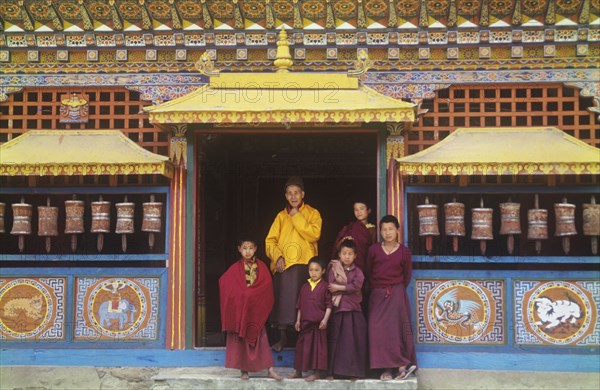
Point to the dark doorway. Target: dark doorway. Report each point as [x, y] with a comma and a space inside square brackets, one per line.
[241, 190]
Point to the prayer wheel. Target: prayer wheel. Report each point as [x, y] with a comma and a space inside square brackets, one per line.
[591, 222]
[428, 223]
[151, 221]
[22, 213]
[2, 209]
[125, 212]
[565, 223]
[100, 220]
[47, 223]
[537, 225]
[74, 210]
[510, 222]
[482, 225]
[454, 225]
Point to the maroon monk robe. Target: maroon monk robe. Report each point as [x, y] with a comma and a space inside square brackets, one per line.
[363, 238]
[244, 311]
[311, 347]
[391, 342]
[348, 330]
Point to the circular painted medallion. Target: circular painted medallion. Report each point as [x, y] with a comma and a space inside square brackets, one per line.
[559, 312]
[458, 311]
[26, 307]
[117, 307]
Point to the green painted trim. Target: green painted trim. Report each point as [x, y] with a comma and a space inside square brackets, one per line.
[382, 184]
[190, 270]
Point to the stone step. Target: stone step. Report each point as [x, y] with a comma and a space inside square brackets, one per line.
[219, 378]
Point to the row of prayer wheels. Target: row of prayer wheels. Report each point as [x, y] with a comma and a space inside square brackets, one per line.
[74, 221]
[510, 223]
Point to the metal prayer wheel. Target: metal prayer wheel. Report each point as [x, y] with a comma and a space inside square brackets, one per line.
[47, 223]
[537, 224]
[565, 222]
[100, 221]
[565, 219]
[591, 222]
[74, 210]
[482, 226]
[22, 213]
[454, 224]
[455, 219]
[2, 209]
[428, 222]
[151, 221]
[510, 222]
[100, 217]
[125, 212]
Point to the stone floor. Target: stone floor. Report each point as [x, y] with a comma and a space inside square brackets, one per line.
[141, 378]
[164, 378]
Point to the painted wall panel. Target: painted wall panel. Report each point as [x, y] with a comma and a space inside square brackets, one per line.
[558, 312]
[32, 309]
[118, 308]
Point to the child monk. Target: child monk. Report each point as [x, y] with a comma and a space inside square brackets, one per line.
[246, 294]
[362, 232]
[314, 309]
[347, 339]
[389, 268]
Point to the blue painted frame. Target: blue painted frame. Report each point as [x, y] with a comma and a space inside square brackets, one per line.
[99, 191]
[70, 274]
[509, 356]
[481, 189]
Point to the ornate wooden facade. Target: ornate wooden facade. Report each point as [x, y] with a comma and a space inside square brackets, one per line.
[87, 65]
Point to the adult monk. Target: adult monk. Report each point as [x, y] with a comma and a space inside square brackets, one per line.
[290, 244]
[389, 267]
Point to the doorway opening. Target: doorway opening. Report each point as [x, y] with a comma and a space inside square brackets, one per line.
[240, 190]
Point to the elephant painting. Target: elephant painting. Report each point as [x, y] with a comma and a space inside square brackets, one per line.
[124, 312]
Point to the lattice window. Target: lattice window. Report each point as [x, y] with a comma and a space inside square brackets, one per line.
[109, 108]
[504, 106]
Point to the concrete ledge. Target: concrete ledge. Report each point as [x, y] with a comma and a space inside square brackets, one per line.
[435, 378]
[143, 378]
[220, 378]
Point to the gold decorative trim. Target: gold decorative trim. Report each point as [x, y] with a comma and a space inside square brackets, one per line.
[471, 169]
[86, 169]
[304, 116]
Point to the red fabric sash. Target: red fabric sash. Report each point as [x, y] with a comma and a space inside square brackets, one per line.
[245, 309]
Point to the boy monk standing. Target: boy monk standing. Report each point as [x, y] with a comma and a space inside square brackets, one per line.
[246, 294]
[290, 244]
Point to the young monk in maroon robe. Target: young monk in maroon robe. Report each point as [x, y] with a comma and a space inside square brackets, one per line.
[347, 339]
[246, 294]
[314, 308]
[361, 231]
[389, 268]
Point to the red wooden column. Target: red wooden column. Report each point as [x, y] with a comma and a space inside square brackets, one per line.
[176, 294]
[395, 187]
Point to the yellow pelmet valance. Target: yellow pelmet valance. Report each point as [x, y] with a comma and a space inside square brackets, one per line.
[78, 152]
[282, 98]
[505, 151]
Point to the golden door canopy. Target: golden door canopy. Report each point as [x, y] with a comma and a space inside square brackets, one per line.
[78, 152]
[282, 97]
[504, 151]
